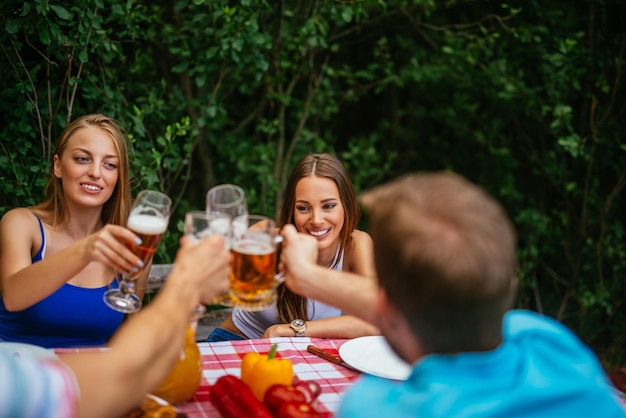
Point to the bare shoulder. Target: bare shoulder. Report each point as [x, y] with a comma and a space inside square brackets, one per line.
[19, 217]
[359, 254]
[19, 226]
[361, 238]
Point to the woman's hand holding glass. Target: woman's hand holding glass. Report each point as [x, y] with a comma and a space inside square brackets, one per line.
[107, 247]
[149, 217]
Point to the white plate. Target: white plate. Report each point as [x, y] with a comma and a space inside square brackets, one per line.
[373, 355]
[27, 350]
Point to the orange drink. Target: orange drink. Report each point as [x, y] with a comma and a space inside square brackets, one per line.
[184, 378]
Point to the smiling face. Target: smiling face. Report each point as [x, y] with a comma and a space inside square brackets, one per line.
[318, 211]
[88, 167]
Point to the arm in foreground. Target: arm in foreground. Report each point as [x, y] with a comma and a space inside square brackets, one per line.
[353, 293]
[142, 351]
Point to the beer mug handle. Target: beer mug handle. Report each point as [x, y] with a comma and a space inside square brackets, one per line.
[279, 277]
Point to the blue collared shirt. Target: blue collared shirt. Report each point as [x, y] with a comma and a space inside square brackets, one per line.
[540, 370]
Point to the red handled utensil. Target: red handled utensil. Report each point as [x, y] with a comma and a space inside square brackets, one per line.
[330, 357]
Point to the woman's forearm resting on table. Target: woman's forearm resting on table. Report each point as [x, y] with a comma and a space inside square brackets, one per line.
[345, 326]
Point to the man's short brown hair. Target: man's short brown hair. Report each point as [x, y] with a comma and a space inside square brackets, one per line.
[445, 255]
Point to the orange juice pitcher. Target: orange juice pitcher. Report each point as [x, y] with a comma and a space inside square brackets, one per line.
[184, 378]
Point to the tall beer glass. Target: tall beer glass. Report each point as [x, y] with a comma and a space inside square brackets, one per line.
[148, 218]
[229, 199]
[200, 224]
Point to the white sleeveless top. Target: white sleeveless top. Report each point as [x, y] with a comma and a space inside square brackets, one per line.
[254, 324]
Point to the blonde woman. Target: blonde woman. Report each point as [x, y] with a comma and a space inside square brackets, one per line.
[59, 257]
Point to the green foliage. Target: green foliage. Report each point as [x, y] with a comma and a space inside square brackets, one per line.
[524, 97]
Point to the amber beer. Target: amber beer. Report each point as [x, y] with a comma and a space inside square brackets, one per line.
[150, 229]
[253, 269]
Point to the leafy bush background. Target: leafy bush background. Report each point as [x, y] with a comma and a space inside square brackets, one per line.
[525, 97]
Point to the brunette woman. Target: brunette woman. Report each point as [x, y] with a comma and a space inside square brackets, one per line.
[319, 200]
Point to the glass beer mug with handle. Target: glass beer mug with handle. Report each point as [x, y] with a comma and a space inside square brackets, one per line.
[253, 277]
[149, 217]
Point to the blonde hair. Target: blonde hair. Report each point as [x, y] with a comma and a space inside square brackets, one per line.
[116, 209]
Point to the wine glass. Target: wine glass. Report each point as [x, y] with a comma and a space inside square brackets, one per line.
[229, 199]
[149, 217]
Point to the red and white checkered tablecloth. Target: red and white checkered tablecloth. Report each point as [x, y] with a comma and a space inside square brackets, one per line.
[220, 358]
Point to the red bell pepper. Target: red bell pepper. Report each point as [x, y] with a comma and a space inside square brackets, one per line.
[310, 388]
[278, 394]
[297, 409]
[234, 399]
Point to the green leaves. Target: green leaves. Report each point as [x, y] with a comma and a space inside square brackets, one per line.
[522, 97]
[61, 12]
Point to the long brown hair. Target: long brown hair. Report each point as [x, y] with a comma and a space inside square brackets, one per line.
[116, 209]
[291, 306]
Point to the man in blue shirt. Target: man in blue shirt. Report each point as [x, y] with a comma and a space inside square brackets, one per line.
[445, 254]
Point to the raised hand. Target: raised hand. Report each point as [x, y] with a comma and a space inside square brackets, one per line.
[202, 267]
[298, 256]
[107, 246]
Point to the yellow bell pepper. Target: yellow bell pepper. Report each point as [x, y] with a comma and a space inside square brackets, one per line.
[260, 371]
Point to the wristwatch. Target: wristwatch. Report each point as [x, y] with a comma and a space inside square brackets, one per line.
[299, 327]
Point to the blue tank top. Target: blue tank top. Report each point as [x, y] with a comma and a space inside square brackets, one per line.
[72, 316]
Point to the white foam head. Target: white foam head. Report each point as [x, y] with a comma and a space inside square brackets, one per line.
[253, 247]
[147, 224]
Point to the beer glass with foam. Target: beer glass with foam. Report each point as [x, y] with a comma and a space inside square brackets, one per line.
[201, 224]
[229, 199]
[253, 278]
[149, 217]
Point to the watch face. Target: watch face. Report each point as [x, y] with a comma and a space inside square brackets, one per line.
[299, 327]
